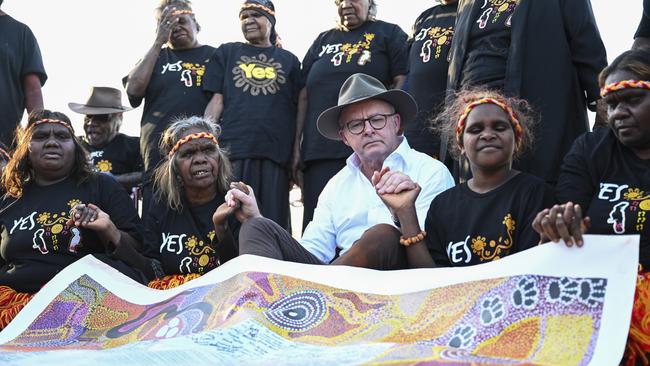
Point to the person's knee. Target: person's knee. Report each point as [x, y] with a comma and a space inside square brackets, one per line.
[256, 233]
[380, 236]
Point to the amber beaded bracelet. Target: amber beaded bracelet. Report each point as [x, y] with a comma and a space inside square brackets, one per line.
[413, 239]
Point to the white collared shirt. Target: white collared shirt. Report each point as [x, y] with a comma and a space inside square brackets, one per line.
[349, 204]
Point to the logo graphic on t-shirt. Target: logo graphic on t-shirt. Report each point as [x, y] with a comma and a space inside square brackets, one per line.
[191, 74]
[628, 204]
[104, 166]
[53, 230]
[346, 51]
[498, 8]
[437, 38]
[258, 75]
[200, 255]
[459, 252]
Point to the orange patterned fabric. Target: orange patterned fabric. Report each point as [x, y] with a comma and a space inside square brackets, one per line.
[172, 281]
[516, 126]
[11, 303]
[638, 340]
[625, 84]
[188, 138]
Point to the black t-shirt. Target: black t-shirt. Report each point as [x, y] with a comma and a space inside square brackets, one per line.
[37, 242]
[377, 48]
[466, 228]
[184, 242]
[175, 90]
[427, 80]
[19, 56]
[260, 89]
[489, 43]
[644, 26]
[120, 156]
[611, 184]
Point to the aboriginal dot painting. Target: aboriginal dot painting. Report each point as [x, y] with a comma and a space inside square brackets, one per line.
[524, 319]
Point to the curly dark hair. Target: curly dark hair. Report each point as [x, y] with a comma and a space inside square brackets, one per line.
[636, 61]
[19, 168]
[446, 121]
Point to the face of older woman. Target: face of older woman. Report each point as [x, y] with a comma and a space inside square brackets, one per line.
[255, 27]
[197, 162]
[183, 35]
[51, 152]
[629, 114]
[353, 13]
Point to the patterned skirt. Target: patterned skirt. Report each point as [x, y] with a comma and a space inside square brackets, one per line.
[11, 303]
[638, 341]
[172, 281]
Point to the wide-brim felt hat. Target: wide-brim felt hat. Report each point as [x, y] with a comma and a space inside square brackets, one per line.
[360, 87]
[102, 100]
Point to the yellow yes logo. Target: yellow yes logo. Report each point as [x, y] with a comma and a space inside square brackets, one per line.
[257, 72]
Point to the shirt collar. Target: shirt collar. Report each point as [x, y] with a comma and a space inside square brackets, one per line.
[396, 160]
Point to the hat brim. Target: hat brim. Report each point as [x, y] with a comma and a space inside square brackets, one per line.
[328, 121]
[86, 109]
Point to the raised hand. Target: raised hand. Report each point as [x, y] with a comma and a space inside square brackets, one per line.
[168, 20]
[241, 199]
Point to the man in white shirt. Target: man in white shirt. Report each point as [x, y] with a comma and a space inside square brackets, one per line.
[351, 225]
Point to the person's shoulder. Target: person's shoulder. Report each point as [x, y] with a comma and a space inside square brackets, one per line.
[426, 14]
[596, 140]
[386, 25]
[419, 159]
[10, 21]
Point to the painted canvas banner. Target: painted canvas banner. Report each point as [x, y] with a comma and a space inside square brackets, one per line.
[550, 305]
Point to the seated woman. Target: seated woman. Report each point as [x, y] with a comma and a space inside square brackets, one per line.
[56, 211]
[604, 183]
[187, 229]
[489, 216]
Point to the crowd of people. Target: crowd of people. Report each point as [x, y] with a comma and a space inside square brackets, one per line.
[466, 142]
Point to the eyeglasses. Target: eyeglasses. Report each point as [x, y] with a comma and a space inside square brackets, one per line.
[377, 122]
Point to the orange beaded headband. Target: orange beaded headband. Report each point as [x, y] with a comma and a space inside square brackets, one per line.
[258, 6]
[181, 12]
[516, 126]
[49, 120]
[625, 84]
[188, 138]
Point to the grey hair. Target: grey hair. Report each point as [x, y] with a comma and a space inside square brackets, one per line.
[166, 184]
[372, 13]
[117, 118]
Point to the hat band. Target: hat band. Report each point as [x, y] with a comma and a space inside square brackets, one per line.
[188, 138]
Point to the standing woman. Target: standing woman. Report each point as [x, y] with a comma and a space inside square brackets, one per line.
[358, 44]
[170, 80]
[429, 45]
[256, 86]
[546, 52]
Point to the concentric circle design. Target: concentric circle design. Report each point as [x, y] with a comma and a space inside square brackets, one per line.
[298, 312]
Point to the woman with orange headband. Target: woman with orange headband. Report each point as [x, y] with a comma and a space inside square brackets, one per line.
[489, 216]
[187, 231]
[604, 183]
[256, 85]
[56, 210]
